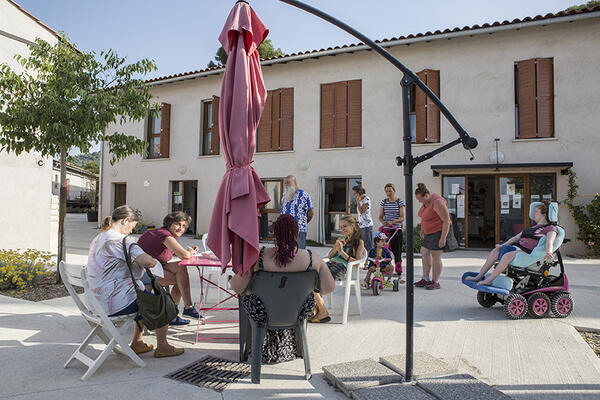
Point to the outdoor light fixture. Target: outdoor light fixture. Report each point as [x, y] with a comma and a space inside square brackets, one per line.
[182, 169]
[408, 161]
[114, 172]
[304, 165]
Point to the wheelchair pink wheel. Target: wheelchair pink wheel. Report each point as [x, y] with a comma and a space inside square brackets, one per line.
[562, 305]
[515, 306]
[539, 305]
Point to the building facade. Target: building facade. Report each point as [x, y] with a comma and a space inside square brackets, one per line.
[26, 200]
[525, 89]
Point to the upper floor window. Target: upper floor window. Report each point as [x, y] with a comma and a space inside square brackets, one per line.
[159, 132]
[423, 113]
[534, 98]
[341, 114]
[210, 127]
[276, 128]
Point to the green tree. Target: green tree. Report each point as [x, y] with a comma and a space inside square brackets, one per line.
[589, 4]
[266, 50]
[66, 98]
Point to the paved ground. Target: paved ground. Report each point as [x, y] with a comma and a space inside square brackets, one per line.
[527, 359]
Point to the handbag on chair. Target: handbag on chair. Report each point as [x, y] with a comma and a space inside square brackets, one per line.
[156, 309]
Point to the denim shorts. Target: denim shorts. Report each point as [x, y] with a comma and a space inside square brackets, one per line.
[506, 248]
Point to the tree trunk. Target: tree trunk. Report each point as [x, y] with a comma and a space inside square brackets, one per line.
[62, 211]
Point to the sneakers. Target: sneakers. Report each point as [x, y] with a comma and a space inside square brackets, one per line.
[422, 283]
[179, 321]
[432, 286]
[191, 312]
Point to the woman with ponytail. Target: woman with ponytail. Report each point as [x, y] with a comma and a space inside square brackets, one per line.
[280, 345]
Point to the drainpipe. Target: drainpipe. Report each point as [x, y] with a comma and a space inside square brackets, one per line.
[101, 176]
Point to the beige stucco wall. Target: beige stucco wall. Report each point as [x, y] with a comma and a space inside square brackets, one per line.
[476, 84]
[26, 198]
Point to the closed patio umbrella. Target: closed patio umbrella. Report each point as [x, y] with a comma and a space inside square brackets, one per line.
[235, 218]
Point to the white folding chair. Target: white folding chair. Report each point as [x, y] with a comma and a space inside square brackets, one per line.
[352, 279]
[221, 278]
[108, 329]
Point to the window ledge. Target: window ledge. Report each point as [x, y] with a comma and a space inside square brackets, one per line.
[209, 156]
[274, 152]
[426, 144]
[342, 148]
[550, 139]
[156, 159]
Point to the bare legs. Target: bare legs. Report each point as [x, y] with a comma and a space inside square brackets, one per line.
[501, 267]
[436, 264]
[486, 266]
[320, 306]
[426, 259]
[178, 276]
[161, 338]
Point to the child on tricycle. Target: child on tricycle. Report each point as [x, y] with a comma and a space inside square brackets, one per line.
[379, 264]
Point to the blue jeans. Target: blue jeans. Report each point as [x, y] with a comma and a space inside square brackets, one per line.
[301, 240]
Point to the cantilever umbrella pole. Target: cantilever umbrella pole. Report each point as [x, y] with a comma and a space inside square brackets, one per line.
[408, 160]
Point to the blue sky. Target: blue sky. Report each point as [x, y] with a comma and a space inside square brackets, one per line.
[181, 35]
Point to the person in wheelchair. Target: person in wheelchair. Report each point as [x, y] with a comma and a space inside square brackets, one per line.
[525, 241]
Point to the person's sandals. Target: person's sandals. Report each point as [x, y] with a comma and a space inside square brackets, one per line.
[365, 285]
[432, 286]
[140, 348]
[319, 321]
[176, 352]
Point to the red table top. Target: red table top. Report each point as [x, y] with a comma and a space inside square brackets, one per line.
[203, 260]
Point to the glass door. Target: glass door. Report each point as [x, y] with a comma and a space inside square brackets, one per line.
[184, 197]
[270, 212]
[511, 202]
[454, 190]
[339, 201]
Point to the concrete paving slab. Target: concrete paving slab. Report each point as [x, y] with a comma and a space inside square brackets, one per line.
[461, 387]
[424, 365]
[394, 391]
[353, 375]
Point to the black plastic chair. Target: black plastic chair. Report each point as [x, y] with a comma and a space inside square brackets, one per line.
[283, 294]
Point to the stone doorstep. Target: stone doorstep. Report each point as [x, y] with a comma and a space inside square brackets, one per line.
[354, 375]
[424, 365]
[460, 387]
[394, 391]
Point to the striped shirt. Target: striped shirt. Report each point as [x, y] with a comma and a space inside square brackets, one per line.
[391, 211]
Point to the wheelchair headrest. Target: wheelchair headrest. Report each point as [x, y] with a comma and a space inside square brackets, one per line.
[552, 210]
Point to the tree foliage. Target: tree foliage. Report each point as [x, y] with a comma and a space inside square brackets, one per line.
[68, 98]
[587, 217]
[266, 50]
[589, 4]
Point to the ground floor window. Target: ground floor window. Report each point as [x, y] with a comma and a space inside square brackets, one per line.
[184, 197]
[270, 212]
[119, 194]
[337, 200]
[489, 208]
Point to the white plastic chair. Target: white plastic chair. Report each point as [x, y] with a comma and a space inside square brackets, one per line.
[221, 278]
[109, 329]
[352, 279]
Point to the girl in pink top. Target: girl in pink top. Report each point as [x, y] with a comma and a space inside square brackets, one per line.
[435, 225]
[525, 241]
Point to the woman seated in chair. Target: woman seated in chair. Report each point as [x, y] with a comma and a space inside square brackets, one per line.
[110, 280]
[525, 241]
[162, 244]
[280, 345]
[347, 248]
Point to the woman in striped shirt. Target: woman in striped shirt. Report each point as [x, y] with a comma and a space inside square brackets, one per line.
[392, 214]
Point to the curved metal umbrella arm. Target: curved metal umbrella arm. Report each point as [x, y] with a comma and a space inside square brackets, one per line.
[467, 141]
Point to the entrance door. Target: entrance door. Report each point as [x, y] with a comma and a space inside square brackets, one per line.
[511, 206]
[184, 197]
[339, 201]
[270, 212]
[481, 215]
[454, 190]
[120, 190]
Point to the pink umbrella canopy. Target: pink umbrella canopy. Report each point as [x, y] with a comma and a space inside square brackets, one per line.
[241, 194]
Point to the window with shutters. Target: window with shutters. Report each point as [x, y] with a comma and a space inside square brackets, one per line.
[159, 132]
[534, 98]
[341, 114]
[276, 128]
[210, 127]
[423, 113]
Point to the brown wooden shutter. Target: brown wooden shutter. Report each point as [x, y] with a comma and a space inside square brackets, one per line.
[526, 93]
[340, 114]
[421, 111]
[215, 140]
[355, 113]
[433, 112]
[263, 141]
[275, 116]
[327, 115]
[286, 125]
[165, 129]
[545, 97]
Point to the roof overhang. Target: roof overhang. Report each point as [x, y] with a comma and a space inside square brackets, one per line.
[563, 167]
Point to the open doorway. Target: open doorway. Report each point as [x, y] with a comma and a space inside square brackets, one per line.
[184, 197]
[481, 210]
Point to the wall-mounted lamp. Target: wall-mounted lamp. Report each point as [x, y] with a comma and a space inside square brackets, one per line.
[114, 172]
[304, 165]
[182, 169]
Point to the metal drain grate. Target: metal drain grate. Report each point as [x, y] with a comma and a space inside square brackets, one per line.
[211, 372]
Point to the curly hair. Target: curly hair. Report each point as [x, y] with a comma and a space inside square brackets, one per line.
[285, 230]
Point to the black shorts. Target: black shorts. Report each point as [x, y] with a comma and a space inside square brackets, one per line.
[432, 241]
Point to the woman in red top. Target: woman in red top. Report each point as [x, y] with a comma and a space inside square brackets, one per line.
[162, 244]
[435, 225]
